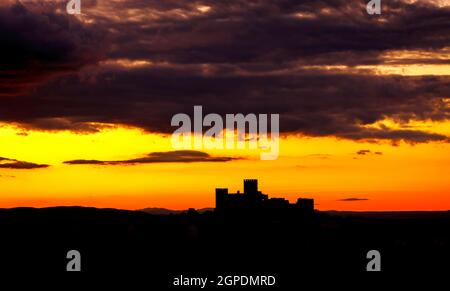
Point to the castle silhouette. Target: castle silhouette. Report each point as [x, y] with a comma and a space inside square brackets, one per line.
[254, 201]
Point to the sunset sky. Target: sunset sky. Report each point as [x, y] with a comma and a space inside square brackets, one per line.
[86, 101]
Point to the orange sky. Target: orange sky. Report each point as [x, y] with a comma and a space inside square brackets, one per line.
[106, 76]
[403, 177]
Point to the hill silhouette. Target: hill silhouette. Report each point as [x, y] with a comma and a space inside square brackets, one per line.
[165, 211]
[161, 246]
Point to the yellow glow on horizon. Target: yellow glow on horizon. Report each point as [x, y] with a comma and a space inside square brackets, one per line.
[327, 169]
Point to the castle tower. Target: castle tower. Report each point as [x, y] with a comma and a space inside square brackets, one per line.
[221, 196]
[250, 186]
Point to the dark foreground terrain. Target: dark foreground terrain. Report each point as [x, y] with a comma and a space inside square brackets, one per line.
[161, 247]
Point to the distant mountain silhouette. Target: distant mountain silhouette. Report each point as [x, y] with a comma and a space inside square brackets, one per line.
[165, 211]
[249, 233]
[160, 245]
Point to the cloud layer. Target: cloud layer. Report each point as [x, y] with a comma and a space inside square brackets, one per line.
[6, 163]
[353, 199]
[39, 45]
[140, 62]
[159, 157]
[367, 152]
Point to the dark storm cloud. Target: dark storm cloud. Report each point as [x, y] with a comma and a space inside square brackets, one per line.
[36, 46]
[353, 199]
[310, 104]
[273, 32]
[238, 57]
[159, 157]
[6, 163]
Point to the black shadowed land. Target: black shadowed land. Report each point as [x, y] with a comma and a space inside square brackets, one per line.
[247, 233]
